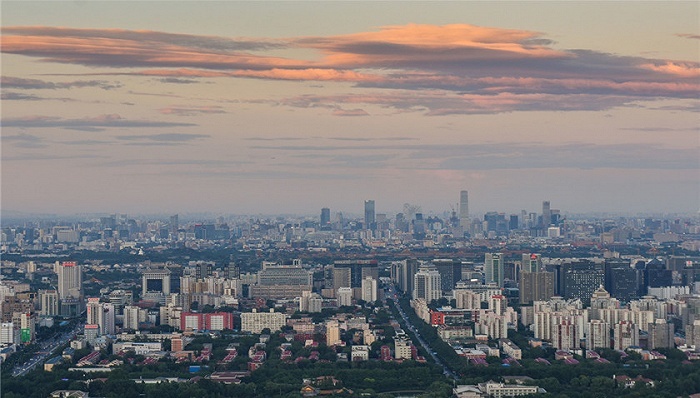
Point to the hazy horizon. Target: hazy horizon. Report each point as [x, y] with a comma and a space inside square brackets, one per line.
[288, 107]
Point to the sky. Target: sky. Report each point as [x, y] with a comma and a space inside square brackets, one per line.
[288, 107]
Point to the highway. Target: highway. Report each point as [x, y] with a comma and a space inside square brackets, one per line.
[47, 347]
[391, 292]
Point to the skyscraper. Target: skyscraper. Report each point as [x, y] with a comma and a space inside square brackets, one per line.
[325, 218]
[174, 225]
[494, 268]
[370, 220]
[546, 214]
[464, 209]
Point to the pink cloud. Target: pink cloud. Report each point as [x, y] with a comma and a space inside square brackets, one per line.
[456, 68]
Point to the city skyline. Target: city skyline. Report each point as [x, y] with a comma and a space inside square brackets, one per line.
[280, 107]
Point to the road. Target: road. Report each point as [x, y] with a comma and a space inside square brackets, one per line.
[47, 347]
[391, 292]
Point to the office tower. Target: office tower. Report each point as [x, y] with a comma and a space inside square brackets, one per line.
[407, 269]
[450, 273]
[233, 270]
[622, 281]
[155, 281]
[359, 269]
[513, 222]
[494, 268]
[370, 220]
[536, 286]
[464, 209]
[625, 335]
[656, 275]
[325, 218]
[174, 225]
[546, 214]
[70, 280]
[342, 278]
[426, 284]
[203, 270]
[70, 288]
[579, 280]
[419, 227]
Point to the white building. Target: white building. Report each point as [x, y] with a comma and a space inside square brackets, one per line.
[255, 322]
[402, 348]
[369, 289]
[344, 296]
[359, 353]
[427, 285]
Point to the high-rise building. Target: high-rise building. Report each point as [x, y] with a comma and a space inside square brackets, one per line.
[579, 280]
[427, 284]
[406, 270]
[661, 334]
[546, 214]
[494, 268]
[358, 270]
[70, 280]
[325, 218]
[332, 333]
[464, 209]
[370, 215]
[174, 225]
[369, 289]
[49, 302]
[450, 273]
[70, 288]
[622, 281]
[625, 335]
[203, 270]
[535, 286]
[597, 334]
[531, 262]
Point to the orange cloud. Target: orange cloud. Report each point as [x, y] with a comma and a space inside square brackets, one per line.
[455, 68]
[682, 69]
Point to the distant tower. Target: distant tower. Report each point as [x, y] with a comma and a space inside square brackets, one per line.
[494, 268]
[174, 224]
[464, 209]
[546, 214]
[70, 280]
[325, 218]
[370, 220]
[70, 288]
